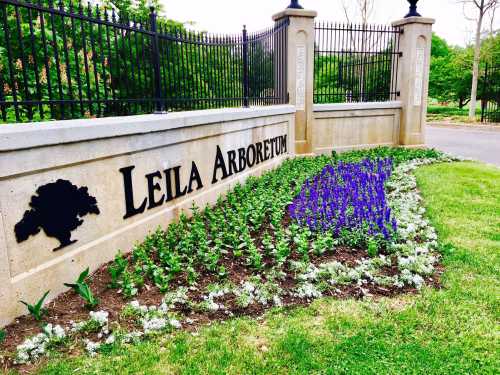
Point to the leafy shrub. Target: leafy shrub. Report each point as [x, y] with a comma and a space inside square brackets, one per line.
[450, 111]
[397, 154]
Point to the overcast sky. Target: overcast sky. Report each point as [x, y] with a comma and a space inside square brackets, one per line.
[230, 15]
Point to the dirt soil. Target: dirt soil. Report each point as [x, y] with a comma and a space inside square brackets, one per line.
[69, 307]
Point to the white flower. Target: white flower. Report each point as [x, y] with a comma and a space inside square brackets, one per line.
[110, 340]
[132, 337]
[211, 305]
[277, 301]
[76, 327]
[418, 281]
[34, 347]
[92, 347]
[135, 305]
[153, 324]
[100, 317]
[307, 290]
[163, 308]
[311, 274]
[54, 331]
[248, 287]
[179, 296]
[175, 323]
[59, 332]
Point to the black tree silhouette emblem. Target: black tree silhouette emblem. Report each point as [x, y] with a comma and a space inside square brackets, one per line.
[57, 208]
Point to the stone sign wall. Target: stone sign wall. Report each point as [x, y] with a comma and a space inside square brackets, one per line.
[73, 193]
[350, 126]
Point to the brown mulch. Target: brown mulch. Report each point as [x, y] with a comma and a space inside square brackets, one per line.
[69, 307]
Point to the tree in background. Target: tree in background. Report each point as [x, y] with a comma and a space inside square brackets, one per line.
[73, 68]
[363, 9]
[450, 77]
[490, 50]
[451, 70]
[482, 8]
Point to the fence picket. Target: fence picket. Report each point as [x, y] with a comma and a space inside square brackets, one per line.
[355, 63]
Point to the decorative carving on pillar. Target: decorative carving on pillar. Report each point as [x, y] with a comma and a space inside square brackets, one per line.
[419, 76]
[300, 100]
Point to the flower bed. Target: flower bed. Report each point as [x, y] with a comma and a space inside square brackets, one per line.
[349, 225]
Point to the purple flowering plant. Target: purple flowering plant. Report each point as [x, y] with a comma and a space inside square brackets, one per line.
[348, 200]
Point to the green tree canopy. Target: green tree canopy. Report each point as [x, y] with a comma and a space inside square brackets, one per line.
[451, 69]
[440, 47]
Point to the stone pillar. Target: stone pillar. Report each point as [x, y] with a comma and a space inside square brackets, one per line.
[413, 77]
[301, 73]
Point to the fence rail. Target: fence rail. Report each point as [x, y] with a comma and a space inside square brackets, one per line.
[490, 101]
[64, 61]
[355, 63]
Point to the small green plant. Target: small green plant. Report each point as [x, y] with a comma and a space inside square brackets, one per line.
[192, 275]
[37, 310]
[2, 335]
[83, 290]
[373, 247]
[91, 326]
[129, 286]
[116, 270]
[335, 157]
[129, 311]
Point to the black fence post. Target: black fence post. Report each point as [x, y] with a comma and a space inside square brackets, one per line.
[246, 88]
[159, 104]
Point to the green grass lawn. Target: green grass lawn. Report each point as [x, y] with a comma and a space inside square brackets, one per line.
[450, 331]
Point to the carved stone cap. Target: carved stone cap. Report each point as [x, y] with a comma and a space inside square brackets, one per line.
[295, 13]
[409, 20]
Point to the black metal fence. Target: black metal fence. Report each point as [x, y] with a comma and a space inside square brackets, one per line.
[490, 98]
[355, 63]
[64, 61]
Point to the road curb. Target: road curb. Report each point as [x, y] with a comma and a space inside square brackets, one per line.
[451, 125]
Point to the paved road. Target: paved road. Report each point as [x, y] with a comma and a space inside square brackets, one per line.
[482, 145]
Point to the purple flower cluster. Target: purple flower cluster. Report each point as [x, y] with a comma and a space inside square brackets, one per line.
[347, 196]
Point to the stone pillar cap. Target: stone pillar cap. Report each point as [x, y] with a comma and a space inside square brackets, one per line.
[295, 13]
[422, 20]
